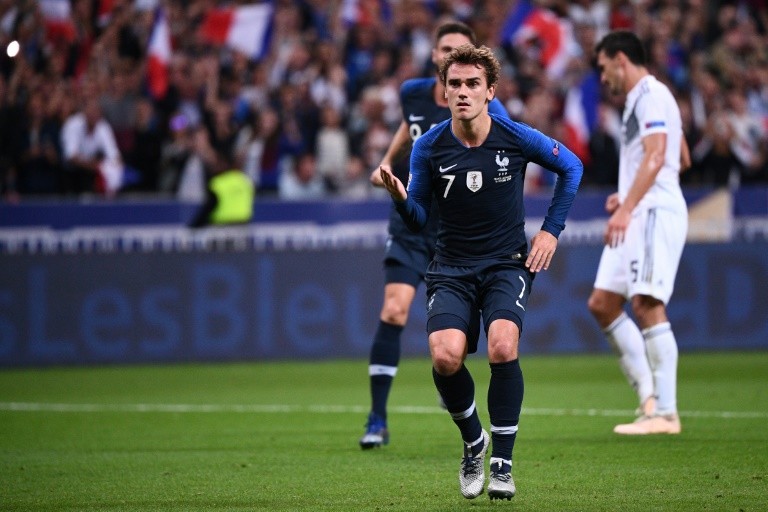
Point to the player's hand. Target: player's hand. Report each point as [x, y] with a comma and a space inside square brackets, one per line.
[617, 227]
[612, 202]
[393, 185]
[543, 246]
[375, 177]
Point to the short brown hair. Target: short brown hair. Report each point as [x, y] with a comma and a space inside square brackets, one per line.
[482, 57]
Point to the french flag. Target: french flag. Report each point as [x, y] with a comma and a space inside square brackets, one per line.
[580, 115]
[159, 56]
[244, 28]
[552, 36]
[57, 20]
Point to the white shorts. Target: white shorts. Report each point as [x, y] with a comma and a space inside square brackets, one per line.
[646, 263]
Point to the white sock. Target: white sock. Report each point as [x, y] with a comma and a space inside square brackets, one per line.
[662, 354]
[627, 341]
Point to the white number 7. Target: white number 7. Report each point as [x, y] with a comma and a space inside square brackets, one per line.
[450, 179]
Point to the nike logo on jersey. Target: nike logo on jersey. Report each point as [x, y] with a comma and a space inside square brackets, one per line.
[412, 118]
[445, 169]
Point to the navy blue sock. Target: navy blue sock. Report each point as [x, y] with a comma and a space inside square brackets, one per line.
[382, 368]
[458, 393]
[505, 399]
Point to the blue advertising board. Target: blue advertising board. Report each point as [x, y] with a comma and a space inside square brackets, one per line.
[226, 305]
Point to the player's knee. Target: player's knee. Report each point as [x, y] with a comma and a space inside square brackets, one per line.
[596, 304]
[603, 307]
[502, 352]
[446, 357]
[647, 310]
[445, 363]
[502, 349]
[394, 312]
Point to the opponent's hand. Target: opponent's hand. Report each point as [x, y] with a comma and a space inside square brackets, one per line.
[617, 226]
[612, 202]
[393, 185]
[543, 246]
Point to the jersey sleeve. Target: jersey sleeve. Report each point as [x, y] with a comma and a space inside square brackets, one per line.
[651, 115]
[555, 157]
[415, 209]
[498, 108]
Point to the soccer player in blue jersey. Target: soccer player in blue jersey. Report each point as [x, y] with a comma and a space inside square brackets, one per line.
[473, 166]
[407, 253]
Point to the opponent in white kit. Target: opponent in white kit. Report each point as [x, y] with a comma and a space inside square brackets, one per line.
[644, 237]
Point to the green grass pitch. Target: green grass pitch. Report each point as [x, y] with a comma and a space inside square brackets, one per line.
[282, 436]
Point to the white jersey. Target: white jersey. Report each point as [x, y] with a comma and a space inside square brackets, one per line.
[651, 108]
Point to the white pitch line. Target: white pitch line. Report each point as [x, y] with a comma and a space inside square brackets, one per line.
[334, 409]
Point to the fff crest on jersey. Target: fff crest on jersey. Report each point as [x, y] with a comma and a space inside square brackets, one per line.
[502, 162]
[474, 180]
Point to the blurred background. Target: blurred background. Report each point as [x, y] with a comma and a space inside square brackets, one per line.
[115, 115]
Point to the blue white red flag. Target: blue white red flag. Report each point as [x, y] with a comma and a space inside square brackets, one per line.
[245, 28]
[57, 19]
[535, 30]
[580, 114]
[159, 56]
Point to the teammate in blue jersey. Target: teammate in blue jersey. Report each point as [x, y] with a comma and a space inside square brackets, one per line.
[472, 166]
[408, 254]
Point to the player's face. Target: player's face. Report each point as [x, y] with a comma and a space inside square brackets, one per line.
[611, 72]
[467, 91]
[445, 45]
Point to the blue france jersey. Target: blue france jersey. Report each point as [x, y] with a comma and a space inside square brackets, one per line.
[479, 190]
[421, 113]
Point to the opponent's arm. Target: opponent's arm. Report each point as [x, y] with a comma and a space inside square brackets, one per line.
[685, 154]
[398, 148]
[654, 147]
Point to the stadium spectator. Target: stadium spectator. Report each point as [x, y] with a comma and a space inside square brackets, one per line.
[92, 160]
[10, 113]
[482, 259]
[749, 143]
[174, 153]
[644, 237]
[257, 150]
[144, 149]
[332, 150]
[199, 165]
[39, 163]
[299, 179]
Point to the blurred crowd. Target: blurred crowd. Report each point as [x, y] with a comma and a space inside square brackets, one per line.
[312, 115]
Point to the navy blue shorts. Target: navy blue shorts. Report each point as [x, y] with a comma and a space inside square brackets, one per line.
[499, 289]
[406, 260]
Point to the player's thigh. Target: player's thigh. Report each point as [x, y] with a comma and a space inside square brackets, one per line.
[504, 293]
[612, 271]
[406, 259]
[451, 297]
[656, 244]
